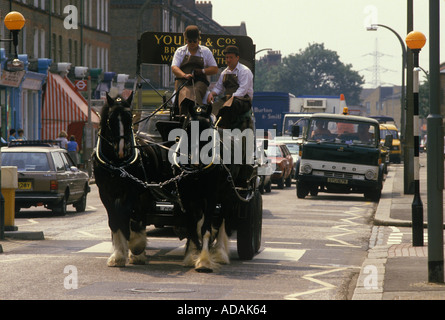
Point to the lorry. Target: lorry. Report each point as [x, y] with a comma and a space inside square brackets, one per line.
[307, 105]
[340, 161]
[280, 110]
[269, 108]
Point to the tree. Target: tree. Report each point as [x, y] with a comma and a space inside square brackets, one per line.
[313, 71]
[424, 98]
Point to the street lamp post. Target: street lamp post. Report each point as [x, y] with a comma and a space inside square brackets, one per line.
[14, 22]
[374, 27]
[415, 40]
[435, 165]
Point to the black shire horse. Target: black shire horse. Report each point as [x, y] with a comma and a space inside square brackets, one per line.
[120, 170]
[205, 186]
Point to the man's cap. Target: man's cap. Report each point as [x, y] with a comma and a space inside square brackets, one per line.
[231, 49]
[192, 32]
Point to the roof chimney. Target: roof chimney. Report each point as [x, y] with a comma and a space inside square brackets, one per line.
[205, 7]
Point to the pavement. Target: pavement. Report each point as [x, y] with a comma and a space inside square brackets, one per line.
[395, 269]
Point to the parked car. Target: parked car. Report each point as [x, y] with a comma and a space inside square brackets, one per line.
[395, 152]
[47, 176]
[284, 164]
[294, 148]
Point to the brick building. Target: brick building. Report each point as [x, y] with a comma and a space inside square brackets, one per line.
[74, 31]
[130, 18]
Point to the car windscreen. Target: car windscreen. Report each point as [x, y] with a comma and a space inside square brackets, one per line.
[343, 132]
[294, 148]
[26, 161]
[274, 151]
[389, 132]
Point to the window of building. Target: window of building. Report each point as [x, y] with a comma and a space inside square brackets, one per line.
[60, 51]
[53, 47]
[42, 43]
[76, 57]
[36, 43]
[70, 50]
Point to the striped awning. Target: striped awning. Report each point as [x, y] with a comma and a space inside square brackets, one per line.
[63, 105]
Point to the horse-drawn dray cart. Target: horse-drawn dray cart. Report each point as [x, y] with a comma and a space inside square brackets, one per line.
[173, 184]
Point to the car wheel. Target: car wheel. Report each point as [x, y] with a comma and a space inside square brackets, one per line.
[289, 181]
[60, 208]
[268, 187]
[81, 204]
[302, 190]
[281, 183]
[373, 195]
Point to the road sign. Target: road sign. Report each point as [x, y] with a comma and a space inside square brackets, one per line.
[81, 85]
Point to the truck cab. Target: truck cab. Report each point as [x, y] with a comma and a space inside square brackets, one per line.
[340, 154]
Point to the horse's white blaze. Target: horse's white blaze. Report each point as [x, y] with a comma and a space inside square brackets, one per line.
[121, 141]
[120, 250]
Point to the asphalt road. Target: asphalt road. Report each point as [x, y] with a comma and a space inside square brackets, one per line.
[312, 249]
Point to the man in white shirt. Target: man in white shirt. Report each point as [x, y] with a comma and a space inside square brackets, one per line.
[195, 62]
[236, 81]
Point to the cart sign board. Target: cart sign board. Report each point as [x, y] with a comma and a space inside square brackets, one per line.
[159, 47]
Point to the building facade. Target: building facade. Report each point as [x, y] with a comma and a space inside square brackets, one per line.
[383, 101]
[129, 19]
[74, 31]
[98, 34]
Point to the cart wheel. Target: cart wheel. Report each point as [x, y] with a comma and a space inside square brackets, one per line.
[258, 223]
[245, 235]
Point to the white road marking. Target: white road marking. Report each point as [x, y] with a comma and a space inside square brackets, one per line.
[275, 254]
[103, 247]
[280, 254]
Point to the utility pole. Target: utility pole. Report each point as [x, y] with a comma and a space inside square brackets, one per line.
[435, 167]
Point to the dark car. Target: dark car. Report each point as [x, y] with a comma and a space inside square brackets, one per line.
[47, 176]
[284, 164]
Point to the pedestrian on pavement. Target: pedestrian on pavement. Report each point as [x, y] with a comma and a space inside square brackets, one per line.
[236, 81]
[62, 139]
[192, 62]
[12, 135]
[21, 134]
[73, 149]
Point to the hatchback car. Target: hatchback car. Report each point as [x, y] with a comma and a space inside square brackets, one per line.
[47, 176]
[284, 164]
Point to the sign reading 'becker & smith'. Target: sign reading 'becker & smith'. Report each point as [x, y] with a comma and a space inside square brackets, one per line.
[159, 47]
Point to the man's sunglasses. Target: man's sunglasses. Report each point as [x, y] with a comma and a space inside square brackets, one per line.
[192, 41]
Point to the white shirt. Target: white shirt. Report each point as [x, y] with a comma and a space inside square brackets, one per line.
[204, 52]
[245, 81]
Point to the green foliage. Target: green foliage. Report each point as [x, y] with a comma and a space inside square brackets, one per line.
[313, 71]
[424, 98]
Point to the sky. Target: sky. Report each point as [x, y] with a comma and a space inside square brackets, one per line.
[291, 25]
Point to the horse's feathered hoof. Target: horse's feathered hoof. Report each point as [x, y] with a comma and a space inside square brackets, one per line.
[116, 262]
[203, 269]
[137, 259]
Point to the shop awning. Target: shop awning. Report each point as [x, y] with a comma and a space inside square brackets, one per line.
[63, 105]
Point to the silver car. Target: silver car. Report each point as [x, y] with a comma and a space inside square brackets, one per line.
[47, 176]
